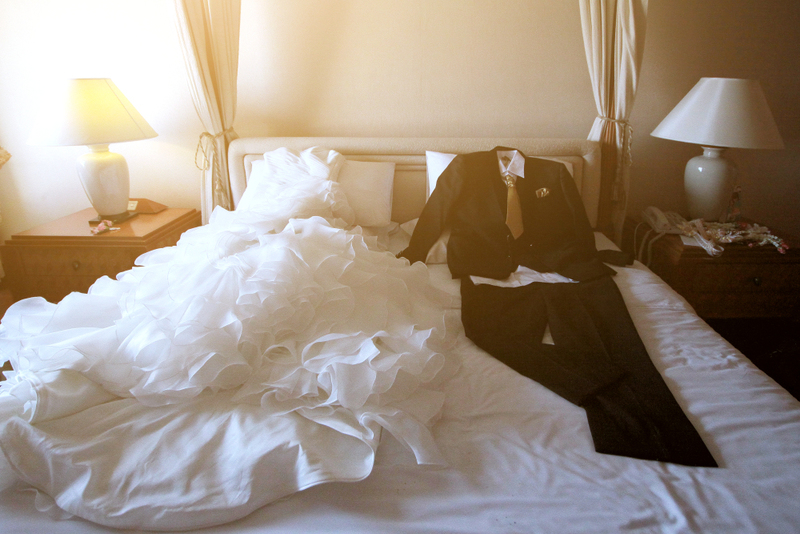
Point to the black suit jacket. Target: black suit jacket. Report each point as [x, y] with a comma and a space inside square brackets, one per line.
[470, 198]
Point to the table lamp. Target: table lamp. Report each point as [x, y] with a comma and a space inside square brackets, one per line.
[718, 113]
[94, 112]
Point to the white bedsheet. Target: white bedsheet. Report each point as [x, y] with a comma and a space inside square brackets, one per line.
[520, 459]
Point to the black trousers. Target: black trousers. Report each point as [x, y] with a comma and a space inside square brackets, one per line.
[598, 362]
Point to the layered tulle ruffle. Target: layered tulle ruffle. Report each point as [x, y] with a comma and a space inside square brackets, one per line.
[299, 315]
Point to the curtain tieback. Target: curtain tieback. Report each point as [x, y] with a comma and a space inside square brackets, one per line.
[617, 121]
[627, 133]
[207, 146]
[627, 136]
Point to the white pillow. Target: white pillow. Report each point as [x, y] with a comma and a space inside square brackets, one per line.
[368, 186]
[436, 163]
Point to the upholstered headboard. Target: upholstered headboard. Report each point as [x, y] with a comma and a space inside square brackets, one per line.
[408, 153]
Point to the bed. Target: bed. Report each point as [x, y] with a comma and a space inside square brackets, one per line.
[507, 455]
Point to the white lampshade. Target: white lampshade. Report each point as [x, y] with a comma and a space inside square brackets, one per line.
[718, 113]
[88, 111]
[94, 112]
[722, 112]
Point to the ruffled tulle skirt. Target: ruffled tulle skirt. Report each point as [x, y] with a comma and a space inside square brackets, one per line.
[304, 335]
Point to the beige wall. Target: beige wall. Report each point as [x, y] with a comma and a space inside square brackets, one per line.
[390, 68]
[413, 68]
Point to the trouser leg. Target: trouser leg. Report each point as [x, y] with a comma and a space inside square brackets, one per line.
[509, 324]
[638, 416]
[630, 412]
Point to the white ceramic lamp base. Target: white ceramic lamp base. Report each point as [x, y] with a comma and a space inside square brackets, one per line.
[709, 181]
[105, 179]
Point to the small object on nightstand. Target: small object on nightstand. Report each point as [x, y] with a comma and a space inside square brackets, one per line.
[758, 274]
[143, 205]
[103, 227]
[735, 206]
[135, 207]
[112, 219]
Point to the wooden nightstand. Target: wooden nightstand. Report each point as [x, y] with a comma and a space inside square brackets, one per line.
[742, 282]
[62, 256]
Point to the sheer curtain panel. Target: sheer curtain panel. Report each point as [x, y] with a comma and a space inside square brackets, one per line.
[613, 36]
[209, 35]
[4, 156]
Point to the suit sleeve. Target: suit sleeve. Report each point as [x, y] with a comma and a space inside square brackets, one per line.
[435, 215]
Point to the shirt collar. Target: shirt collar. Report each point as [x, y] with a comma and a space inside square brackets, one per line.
[515, 166]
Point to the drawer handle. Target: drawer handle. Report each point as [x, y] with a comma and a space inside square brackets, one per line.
[757, 280]
[76, 265]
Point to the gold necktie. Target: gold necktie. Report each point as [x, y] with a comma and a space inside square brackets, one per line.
[513, 207]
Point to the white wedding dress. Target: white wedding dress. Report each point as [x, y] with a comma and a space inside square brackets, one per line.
[260, 356]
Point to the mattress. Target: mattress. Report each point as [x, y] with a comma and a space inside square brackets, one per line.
[515, 457]
[520, 459]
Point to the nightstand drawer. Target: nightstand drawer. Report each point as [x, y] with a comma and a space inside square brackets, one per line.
[748, 277]
[76, 261]
[729, 304]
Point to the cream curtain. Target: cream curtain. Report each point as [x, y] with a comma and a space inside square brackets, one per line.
[613, 36]
[209, 35]
[4, 156]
